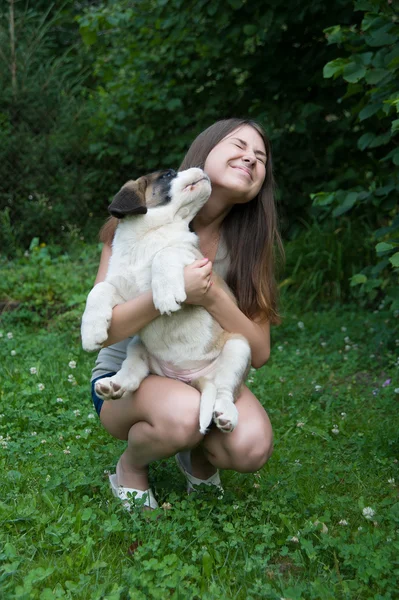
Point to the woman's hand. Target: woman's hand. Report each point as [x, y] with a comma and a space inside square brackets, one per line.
[197, 281]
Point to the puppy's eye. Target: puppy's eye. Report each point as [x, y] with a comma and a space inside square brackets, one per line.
[168, 174]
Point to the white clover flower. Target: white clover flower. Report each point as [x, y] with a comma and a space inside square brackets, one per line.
[294, 539]
[347, 340]
[235, 506]
[60, 400]
[87, 430]
[40, 387]
[282, 379]
[13, 353]
[396, 390]
[76, 412]
[166, 506]
[43, 441]
[10, 335]
[280, 348]
[290, 394]
[48, 477]
[368, 512]
[343, 522]
[257, 475]
[71, 379]
[33, 432]
[345, 358]
[91, 416]
[256, 485]
[343, 329]
[323, 344]
[360, 528]
[67, 451]
[347, 348]
[335, 430]
[72, 364]
[33, 371]
[372, 356]
[60, 437]
[77, 437]
[391, 480]
[300, 424]
[343, 415]
[317, 388]
[301, 325]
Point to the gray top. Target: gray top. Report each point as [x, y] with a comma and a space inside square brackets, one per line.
[110, 359]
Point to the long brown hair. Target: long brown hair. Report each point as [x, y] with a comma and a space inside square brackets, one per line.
[250, 230]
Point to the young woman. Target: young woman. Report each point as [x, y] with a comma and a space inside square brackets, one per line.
[237, 230]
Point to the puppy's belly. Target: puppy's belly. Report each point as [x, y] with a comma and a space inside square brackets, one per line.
[187, 338]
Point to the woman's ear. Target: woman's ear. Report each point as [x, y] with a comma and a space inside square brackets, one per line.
[130, 200]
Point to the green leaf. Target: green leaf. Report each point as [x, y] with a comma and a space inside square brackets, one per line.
[89, 36]
[394, 260]
[322, 199]
[375, 75]
[358, 279]
[369, 111]
[334, 67]
[250, 29]
[347, 204]
[365, 140]
[353, 72]
[383, 247]
[395, 126]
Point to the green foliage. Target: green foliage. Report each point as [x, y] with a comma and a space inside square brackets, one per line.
[46, 185]
[369, 188]
[297, 529]
[165, 71]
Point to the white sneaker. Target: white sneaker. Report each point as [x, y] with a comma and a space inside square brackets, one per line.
[183, 460]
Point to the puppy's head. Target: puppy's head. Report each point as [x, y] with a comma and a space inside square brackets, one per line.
[136, 197]
[184, 193]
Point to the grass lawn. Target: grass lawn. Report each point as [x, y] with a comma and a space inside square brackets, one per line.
[319, 521]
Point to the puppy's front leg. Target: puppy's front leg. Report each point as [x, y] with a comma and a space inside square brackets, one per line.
[168, 280]
[97, 315]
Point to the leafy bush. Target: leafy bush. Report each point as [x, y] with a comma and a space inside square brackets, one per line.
[369, 185]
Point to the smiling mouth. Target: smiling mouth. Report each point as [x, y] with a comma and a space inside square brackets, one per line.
[244, 171]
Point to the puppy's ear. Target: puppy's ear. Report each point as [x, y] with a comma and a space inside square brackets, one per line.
[130, 200]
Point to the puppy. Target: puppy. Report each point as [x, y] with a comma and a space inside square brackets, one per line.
[152, 245]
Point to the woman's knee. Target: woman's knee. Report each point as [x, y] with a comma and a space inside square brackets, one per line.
[251, 457]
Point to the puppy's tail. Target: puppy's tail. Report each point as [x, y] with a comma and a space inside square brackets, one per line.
[207, 402]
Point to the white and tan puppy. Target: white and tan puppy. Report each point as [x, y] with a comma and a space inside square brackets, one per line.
[151, 247]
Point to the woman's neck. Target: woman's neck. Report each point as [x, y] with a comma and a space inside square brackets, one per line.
[211, 216]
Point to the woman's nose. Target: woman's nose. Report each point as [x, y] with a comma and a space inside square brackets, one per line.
[250, 159]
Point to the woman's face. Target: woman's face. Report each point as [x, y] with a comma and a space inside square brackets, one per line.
[237, 164]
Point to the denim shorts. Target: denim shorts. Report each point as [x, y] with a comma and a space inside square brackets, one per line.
[97, 401]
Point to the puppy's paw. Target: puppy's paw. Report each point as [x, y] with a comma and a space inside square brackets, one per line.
[109, 389]
[94, 330]
[166, 304]
[93, 336]
[225, 415]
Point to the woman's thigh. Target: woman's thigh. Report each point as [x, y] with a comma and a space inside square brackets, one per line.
[162, 402]
[248, 447]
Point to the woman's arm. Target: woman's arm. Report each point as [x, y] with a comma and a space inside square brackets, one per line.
[131, 316]
[222, 308]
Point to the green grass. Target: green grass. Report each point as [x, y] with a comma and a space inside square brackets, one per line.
[276, 534]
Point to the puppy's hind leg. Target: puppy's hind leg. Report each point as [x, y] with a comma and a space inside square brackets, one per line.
[207, 401]
[134, 369]
[232, 368]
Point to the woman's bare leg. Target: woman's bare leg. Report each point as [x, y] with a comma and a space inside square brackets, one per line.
[158, 420]
[246, 449]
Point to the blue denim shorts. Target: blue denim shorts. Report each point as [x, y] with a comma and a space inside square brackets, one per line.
[97, 401]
